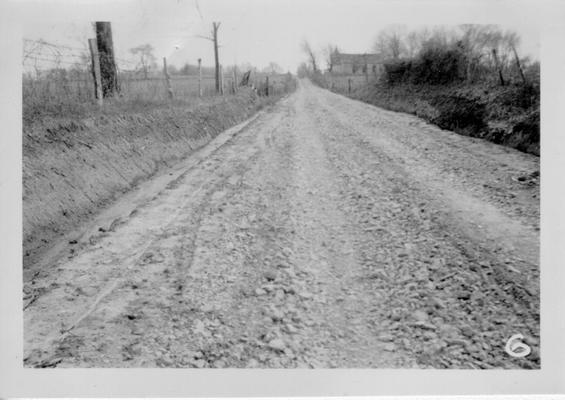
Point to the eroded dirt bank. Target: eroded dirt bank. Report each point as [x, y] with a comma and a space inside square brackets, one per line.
[508, 115]
[73, 168]
[325, 233]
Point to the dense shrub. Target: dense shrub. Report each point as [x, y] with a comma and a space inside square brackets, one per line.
[459, 113]
[434, 66]
[397, 71]
[437, 66]
[528, 130]
[318, 78]
[470, 80]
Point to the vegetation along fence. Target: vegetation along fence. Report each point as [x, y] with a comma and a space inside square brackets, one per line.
[59, 77]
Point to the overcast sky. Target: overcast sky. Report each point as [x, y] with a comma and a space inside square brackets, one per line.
[260, 31]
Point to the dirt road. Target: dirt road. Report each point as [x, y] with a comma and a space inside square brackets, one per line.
[323, 233]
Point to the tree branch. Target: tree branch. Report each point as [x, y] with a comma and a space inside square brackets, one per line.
[204, 37]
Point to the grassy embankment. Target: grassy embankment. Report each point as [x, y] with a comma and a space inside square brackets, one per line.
[507, 115]
[79, 159]
[452, 87]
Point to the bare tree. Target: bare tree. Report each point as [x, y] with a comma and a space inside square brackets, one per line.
[483, 49]
[496, 42]
[412, 44]
[414, 41]
[214, 39]
[329, 55]
[303, 70]
[477, 43]
[512, 40]
[472, 47]
[147, 59]
[273, 68]
[390, 43]
[306, 48]
[246, 66]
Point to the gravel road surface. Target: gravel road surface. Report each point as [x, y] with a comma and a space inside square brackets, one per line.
[324, 233]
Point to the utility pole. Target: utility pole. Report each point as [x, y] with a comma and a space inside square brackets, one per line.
[108, 70]
[215, 27]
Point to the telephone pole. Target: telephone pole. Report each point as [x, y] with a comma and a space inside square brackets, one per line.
[215, 27]
[108, 70]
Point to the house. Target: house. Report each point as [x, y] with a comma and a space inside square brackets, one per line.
[352, 64]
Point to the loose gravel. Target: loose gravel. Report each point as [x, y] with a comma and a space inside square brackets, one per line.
[325, 234]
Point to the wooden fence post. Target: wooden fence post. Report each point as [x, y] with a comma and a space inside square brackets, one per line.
[221, 79]
[167, 78]
[349, 85]
[234, 80]
[96, 70]
[200, 77]
[267, 86]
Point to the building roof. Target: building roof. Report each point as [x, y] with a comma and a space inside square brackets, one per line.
[344, 58]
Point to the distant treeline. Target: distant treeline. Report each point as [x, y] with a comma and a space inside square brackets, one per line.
[470, 79]
[471, 53]
[190, 69]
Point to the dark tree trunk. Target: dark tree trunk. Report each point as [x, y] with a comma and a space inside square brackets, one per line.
[108, 70]
[519, 66]
[498, 67]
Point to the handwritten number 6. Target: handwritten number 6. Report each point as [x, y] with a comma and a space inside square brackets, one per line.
[516, 348]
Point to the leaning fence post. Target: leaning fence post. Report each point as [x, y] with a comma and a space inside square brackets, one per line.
[167, 78]
[96, 70]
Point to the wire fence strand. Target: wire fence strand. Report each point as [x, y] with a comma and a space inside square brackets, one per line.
[60, 74]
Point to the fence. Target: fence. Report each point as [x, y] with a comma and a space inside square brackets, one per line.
[345, 83]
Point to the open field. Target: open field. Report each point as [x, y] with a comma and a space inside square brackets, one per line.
[61, 96]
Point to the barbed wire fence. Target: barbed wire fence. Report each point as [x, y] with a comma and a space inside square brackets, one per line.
[55, 74]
